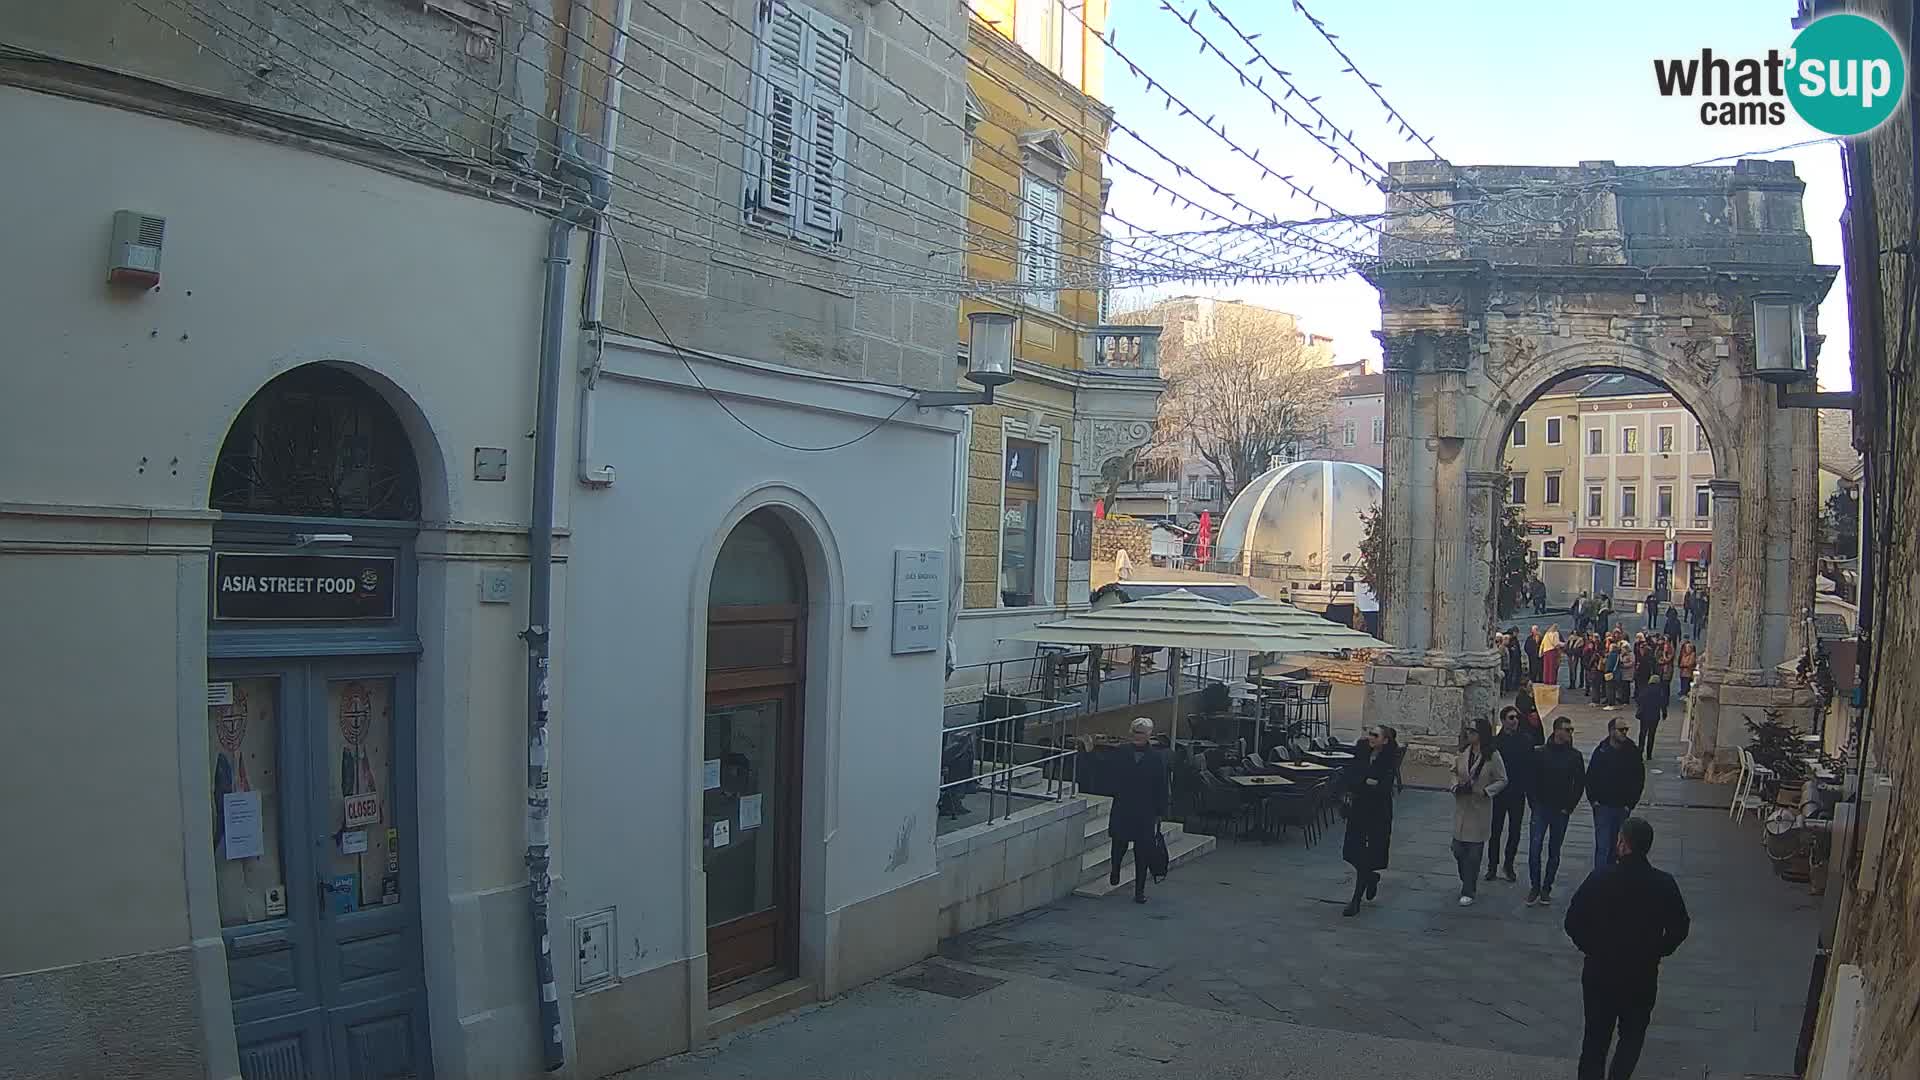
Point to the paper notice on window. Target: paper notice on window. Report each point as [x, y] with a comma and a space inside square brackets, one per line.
[749, 812]
[241, 811]
[722, 834]
[712, 774]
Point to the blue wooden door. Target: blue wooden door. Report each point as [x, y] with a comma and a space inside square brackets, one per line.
[315, 861]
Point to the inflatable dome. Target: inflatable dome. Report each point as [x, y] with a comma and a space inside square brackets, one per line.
[1299, 521]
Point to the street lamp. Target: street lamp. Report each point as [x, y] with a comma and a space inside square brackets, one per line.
[989, 361]
[1780, 353]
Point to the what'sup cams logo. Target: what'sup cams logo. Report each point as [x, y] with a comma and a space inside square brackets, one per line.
[1844, 75]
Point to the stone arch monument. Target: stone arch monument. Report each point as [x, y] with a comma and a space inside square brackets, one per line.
[1497, 282]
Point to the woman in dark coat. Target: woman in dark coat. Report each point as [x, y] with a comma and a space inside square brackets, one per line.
[1139, 802]
[1370, 781]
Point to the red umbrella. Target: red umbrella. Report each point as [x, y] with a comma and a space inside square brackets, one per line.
[1203, 544]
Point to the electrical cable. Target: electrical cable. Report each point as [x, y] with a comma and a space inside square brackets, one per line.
[620, 250]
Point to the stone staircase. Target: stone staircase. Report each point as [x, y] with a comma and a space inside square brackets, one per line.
[1096, 855]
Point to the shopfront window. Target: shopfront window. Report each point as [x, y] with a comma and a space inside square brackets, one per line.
[1020, 523]
[1629, 574]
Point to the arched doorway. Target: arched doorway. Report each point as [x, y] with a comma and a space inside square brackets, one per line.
[310, 734]
[750, 825]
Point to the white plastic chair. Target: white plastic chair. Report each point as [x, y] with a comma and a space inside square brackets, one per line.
[1744, 798]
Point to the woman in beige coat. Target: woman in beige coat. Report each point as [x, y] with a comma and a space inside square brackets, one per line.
[1478, 775]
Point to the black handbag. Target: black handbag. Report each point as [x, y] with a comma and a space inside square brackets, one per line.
[1156, 849]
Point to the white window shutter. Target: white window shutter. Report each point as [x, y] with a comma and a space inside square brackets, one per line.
[1040, 242]
[775, 176]
[827, 62]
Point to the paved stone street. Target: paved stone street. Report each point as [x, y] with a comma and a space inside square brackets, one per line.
[1414, 987]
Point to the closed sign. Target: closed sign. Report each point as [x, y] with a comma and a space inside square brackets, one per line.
[361, 810]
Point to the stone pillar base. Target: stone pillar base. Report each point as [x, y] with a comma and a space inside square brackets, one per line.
[1722, 704]
[1429, 705]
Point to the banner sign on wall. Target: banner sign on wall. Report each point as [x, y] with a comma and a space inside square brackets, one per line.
[303, 588]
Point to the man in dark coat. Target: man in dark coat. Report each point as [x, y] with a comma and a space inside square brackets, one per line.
[1369, 783]
[1615, 779]
[1559, 779]
[1672, 627]
[1532, 648]
[1139, 802]
[1649, 705]
[1581, 613]
[1516, 743]
[1626, 919]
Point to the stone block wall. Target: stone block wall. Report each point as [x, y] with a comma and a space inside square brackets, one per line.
[997, 870]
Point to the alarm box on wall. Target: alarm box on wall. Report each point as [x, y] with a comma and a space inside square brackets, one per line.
[134, 258]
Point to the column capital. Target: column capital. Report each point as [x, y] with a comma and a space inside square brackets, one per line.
[1485, 480]
[1723, 488]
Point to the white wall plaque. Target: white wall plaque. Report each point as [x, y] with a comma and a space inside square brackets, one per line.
[919, 575]
[918, 626]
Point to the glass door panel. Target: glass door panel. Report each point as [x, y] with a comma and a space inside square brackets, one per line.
[744, 837]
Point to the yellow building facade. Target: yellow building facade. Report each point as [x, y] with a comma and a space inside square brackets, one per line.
[1083, 394]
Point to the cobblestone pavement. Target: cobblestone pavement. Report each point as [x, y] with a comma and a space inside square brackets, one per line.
[1256, 930]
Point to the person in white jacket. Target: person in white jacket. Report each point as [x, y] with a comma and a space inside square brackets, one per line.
[1478, 775]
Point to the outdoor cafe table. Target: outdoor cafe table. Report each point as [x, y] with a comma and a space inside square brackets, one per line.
[1261, 781]
[1303, 766]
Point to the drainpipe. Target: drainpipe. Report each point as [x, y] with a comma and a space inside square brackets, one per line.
[538, 633]
[590, 475]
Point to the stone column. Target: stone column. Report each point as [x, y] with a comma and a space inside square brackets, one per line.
[1704, 756]
[1478, 660]
[1452, 567]
[1404, 611]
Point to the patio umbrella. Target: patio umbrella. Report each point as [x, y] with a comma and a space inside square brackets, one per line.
[1298, 620]
[1203, 546]
[1178, 620]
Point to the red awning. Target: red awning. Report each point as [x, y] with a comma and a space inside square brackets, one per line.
[1699, 551]
[1624, 551]
[1590, 548]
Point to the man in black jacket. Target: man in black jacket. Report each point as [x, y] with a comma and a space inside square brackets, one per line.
[1516, 743]
[1559, 778]
[1626, 919]
[1615, 778]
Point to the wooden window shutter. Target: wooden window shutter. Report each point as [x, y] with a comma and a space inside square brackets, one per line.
[828, 58]
[775, 179]
[1040, 241]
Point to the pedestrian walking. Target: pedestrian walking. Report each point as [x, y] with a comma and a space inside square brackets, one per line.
[1515, 660]
[1647, 708]
[1705, 605]
[1672, 627]
[1139, 802]
[1665, 663]
[1523, 703]
[1625, 919]
[1369, 785]
[1478, 776]
[1605, 613]
[1559, 779]
[1539, 597]
[1615, 779]
[1515, 743]
[1625, 675]
[1576, 650]
[1581, 613]
[1650, 607]
[1599, 670]
[1685, 664]
[1532, 648]
[1550, 656]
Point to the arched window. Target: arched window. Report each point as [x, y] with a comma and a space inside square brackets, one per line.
[758, 566]
[317, 442]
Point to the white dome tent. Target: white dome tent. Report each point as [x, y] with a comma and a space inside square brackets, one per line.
[1299, 522]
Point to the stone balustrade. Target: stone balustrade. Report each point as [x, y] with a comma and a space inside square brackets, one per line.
[1123, 349]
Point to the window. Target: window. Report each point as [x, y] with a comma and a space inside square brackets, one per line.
[1629, 574]
[1517, 489]
[1596, 441]
[1700, 436]
[1663, 501]
[1020, 510]
[1702, 501]
[796, 172]
[1519, 436]
[1379, 430]
[1596, 501]
[1663, 439]
[1553, 431]
[1629, 502]
[1553, 489]
[1629, 440]
[1347, 431]
[1040, 242]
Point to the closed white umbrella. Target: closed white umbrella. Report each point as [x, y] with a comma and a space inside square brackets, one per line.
[1298, 620]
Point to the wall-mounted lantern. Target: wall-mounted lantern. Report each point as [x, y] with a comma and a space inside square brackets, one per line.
[1780, 353]
[989, 361]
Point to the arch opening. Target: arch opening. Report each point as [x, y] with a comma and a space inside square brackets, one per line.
[318, 441]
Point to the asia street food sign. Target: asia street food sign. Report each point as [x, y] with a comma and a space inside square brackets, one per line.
[303, 588]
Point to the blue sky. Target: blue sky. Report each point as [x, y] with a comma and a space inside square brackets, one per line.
[1488, 82]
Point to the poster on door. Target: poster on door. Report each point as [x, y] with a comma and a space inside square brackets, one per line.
[243, 726]
[360, 771]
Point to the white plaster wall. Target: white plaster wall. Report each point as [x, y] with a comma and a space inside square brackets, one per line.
[274, 257]
[643, 552]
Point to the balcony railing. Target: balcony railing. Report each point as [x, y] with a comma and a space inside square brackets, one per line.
[1131, 350]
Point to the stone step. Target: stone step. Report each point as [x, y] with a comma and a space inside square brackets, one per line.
[768, 1003]
[1099, 850]
[1188, 847]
